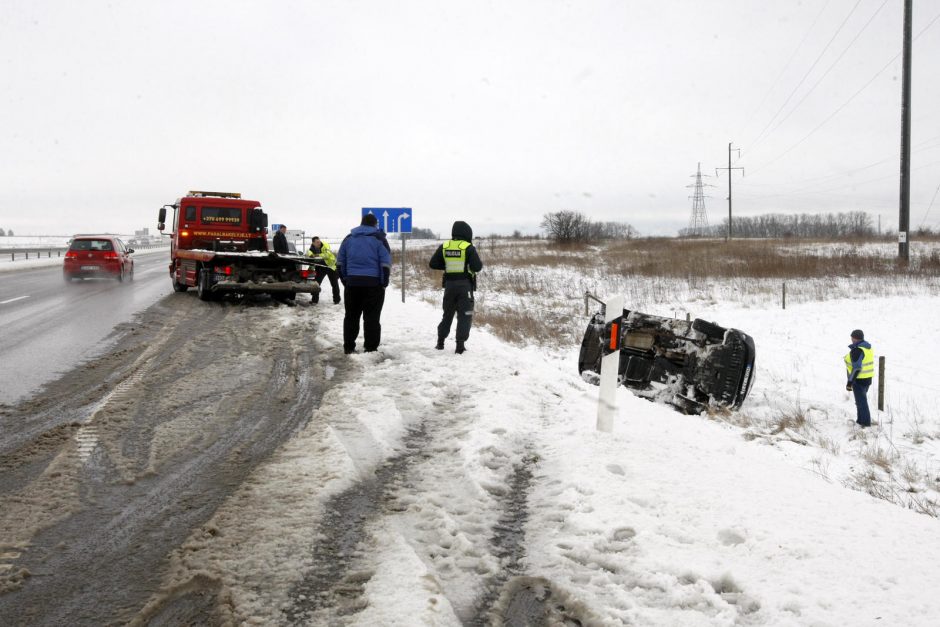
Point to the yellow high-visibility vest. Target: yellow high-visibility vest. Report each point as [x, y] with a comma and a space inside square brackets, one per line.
[329, 259]
[455, 257]
[868, 363]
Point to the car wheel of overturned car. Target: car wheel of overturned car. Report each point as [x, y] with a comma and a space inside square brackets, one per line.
[120, 276]
[708, 329]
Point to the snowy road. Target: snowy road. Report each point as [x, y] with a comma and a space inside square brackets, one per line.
[48, 326]
[112, 466]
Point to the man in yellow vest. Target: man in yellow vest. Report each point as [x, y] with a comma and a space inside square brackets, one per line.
[860, 366]
[326, 267]
[460, 262]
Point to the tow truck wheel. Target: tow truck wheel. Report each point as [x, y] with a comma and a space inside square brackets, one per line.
[202, 286]
[179, 287]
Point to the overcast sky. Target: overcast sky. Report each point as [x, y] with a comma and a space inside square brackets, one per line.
[489, 112]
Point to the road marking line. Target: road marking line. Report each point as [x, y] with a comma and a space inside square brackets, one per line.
[4, 302]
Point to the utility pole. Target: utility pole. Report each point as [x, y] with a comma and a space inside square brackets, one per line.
[904, 221]
[698, 223]
[729, 169]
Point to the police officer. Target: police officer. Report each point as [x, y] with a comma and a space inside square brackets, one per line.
[860, 366]
[460, 262]
[325, 267]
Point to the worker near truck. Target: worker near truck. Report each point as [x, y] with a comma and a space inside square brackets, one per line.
[325, 266]
[460, 262]
[364, 264]
[280, 241]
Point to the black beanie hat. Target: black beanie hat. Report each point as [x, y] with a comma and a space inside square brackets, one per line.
[858, 335]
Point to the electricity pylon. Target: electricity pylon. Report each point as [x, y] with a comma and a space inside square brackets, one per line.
[698, 223]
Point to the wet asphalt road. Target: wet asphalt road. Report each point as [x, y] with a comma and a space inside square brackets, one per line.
[48, 326]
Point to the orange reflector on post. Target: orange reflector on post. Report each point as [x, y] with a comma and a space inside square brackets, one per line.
[614, 336]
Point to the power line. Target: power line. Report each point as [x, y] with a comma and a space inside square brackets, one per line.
[805, 76]
[846, 103]
[833, 65]
[809, 191]
[926, 213]
[787, 65]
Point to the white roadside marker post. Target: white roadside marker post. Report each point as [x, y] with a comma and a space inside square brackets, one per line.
[610, 364]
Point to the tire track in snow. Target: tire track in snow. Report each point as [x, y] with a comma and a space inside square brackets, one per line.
[468, 530]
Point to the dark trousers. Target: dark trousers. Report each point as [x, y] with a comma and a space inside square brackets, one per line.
[458, 299]
[365, 302]
[319, 273]
[860, 390]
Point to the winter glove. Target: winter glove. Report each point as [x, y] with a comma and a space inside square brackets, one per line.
[386, 273]
[848, 387]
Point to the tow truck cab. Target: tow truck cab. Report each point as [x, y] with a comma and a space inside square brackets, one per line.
[217, 221]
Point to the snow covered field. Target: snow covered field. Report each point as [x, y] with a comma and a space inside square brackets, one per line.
[763, 517]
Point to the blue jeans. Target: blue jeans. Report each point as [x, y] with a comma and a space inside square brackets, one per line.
[860, 390]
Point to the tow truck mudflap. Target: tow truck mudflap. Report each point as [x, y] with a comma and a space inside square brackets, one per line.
[275, 287]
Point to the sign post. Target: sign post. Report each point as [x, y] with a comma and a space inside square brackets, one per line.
[610, 364]
[394, 220]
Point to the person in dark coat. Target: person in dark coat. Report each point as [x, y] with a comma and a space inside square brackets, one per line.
[459, 260]
[280, 241]
[364, 264]
[860, 369]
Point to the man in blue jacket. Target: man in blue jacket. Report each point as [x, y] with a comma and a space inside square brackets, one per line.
[860, 367]
[364, 264]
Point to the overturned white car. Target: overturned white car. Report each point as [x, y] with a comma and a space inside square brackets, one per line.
[687, 364]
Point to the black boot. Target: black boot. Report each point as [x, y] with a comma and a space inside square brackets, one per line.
[460, 348]
[440, 344]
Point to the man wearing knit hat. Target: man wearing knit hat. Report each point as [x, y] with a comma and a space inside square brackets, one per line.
[860, 367]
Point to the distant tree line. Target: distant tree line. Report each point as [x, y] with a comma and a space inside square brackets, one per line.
[419, 233]
[805, 225]
[6, 233]
[574, 226]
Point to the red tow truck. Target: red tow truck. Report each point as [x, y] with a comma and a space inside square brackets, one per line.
[219, 245]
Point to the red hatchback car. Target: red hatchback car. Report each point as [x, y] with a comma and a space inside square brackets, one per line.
[98, 256]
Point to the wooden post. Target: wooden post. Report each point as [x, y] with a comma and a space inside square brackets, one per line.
[784, 294]
[881, 383]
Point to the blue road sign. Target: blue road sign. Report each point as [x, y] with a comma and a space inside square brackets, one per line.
[391, 219]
